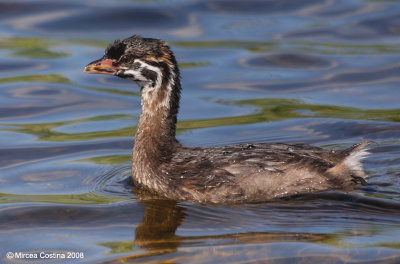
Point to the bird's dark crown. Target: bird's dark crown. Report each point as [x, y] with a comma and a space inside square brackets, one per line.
[136, 47]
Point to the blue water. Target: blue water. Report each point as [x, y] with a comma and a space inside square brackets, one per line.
[331, 68]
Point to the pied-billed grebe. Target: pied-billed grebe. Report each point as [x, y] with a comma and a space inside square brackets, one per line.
[229, 174]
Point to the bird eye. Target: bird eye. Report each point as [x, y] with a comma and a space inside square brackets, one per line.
[123, 58]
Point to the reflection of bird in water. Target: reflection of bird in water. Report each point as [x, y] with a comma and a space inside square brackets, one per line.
[160, 220]
[229, 174]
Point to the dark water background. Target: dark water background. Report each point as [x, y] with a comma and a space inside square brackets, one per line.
[321, 72]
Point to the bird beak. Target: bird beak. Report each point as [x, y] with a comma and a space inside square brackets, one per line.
[104, 66]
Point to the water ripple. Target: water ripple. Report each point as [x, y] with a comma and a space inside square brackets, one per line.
[321, 72]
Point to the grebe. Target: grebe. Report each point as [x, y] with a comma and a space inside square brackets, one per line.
[219, 175]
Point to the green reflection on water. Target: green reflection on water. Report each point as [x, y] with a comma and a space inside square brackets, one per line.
[312, 47]
[249, 45]
[163, 245]
[35, 48]
[383, 196]
[50, 78]
[274, 109]
[185, 65]
[290, 108]
[45, 132]
[119, 247]
[270, 109]
[327, 48]
[389, 245]
[346, 48]
[82, 198]
[110, 159]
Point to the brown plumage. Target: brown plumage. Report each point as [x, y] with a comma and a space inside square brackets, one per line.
[229, 174]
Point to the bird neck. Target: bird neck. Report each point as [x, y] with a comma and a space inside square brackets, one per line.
[155, 137]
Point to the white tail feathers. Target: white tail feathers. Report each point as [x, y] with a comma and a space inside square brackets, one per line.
[353, 160]
[350, 167]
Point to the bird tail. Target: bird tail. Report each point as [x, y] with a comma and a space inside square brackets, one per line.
[351, 164]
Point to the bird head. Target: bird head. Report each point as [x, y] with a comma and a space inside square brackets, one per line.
[147, 61]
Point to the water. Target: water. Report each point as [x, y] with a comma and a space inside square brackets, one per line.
[320, 72]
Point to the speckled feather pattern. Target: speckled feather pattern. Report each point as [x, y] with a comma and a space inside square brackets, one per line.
[218, 175]
[253, 172]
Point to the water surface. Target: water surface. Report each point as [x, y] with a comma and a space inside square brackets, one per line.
[319, 72]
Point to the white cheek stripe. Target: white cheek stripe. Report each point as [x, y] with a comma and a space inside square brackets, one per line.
[146, 84]
[156, 70]
[138, 76]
